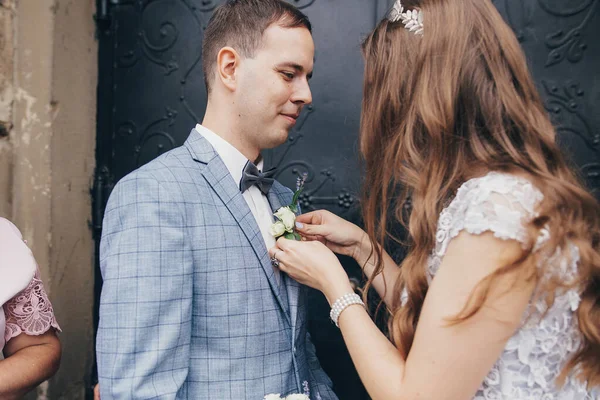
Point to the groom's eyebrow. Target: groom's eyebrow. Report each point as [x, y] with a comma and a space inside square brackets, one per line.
[297, 67]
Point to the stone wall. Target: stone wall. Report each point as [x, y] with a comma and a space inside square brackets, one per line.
[48, 67]
[6, 103]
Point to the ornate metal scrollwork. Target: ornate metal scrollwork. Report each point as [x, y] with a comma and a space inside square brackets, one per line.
[205, 5]
[154, 40]
[592, 174]
[301, 3]
[563, 105]
[154, 135]
[202, 13]
[127, 129]
[563, 45]
[570, 45]
[155, 43]
[315, 183]
[520, 17]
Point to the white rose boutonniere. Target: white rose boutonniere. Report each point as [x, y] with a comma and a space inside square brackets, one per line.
[277, 229]
[286, 216]
[286, 220]
[290, 397]
[297, 397]
[273, 397]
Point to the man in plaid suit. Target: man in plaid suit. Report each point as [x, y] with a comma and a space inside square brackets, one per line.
[192, 307]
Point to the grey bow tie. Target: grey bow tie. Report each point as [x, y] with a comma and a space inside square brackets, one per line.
[252, 176]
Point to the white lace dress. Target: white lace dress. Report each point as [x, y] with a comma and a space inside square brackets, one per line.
[533, 357]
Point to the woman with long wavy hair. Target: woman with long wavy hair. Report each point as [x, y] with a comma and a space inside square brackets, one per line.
[499, 295]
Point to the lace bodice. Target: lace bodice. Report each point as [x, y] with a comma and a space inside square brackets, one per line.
[534, 356]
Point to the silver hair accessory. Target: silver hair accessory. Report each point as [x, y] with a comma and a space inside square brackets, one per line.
[412, 19]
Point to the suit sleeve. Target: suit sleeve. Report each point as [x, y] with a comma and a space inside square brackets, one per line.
[144, 333]
[321, 383]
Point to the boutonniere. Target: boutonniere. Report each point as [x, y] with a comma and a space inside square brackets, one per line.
[290, 397]
[285, 224]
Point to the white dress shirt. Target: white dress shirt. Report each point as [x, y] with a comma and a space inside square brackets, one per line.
[235, 162]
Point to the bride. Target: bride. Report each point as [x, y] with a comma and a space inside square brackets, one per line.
[499, 296]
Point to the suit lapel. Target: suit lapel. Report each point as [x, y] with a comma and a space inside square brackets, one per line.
[280, 196]
[218, 177]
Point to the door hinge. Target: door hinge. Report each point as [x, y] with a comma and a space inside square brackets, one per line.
[103, 186]
[102, 12]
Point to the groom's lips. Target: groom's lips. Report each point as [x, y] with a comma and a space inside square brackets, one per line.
[291, 117]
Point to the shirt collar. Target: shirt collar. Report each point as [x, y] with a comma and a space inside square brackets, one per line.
[233, 159]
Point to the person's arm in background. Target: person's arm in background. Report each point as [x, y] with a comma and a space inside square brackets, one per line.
[32, 350]
[29, 361]
[144, 334]
[97, 392]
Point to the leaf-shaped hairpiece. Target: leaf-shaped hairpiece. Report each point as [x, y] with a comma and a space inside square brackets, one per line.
[412, 19]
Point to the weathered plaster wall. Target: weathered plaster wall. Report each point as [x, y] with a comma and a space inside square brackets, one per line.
[48, 77]
[32, 132]
[74, 81]
[6, 103]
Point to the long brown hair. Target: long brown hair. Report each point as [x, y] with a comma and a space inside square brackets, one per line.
[459, 99]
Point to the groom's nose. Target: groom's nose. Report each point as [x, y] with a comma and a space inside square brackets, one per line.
[302, 94]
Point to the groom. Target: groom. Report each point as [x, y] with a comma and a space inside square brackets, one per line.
[191, 306]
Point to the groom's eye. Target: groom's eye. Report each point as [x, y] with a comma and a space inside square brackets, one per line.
[287, 75]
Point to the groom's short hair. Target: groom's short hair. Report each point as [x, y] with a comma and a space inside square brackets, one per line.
[240, 24]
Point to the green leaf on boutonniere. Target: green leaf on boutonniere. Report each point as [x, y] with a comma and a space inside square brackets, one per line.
[286, 215]
[294, 205]
[292, 236]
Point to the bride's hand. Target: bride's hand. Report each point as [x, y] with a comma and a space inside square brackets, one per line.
[312, 264]
[336, 233]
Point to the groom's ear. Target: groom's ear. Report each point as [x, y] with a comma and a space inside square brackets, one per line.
[228, 61]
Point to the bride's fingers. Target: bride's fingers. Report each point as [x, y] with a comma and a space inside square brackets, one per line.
[320, 239]
[274, 250]
[283, 267]
[308, 237]
[313, 217]
[311, 230]
[286, 244]
[283, 259]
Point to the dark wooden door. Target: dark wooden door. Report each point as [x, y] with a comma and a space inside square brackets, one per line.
[561, 41]
[151, 93]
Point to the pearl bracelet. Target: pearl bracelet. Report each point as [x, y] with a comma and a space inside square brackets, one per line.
[341, 304]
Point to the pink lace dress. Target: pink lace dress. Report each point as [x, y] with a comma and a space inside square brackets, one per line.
[29, 312]
[24, 304]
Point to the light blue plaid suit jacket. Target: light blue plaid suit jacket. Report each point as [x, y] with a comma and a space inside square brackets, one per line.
[190, 308]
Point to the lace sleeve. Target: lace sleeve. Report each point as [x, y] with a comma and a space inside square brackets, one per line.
[30, 311]
[497, 203]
